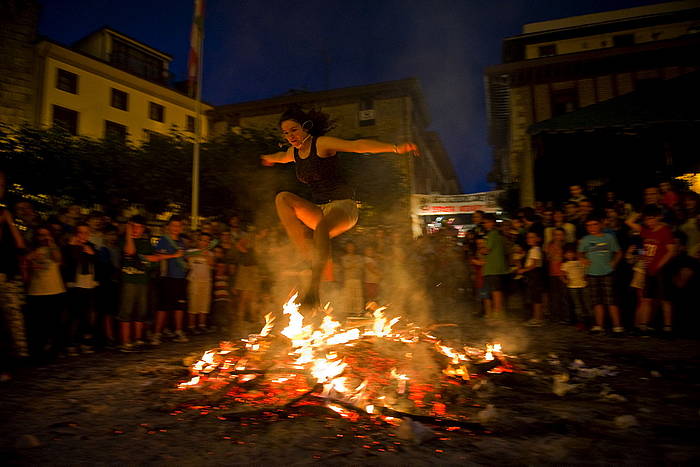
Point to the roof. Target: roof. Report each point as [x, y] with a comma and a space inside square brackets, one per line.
[121, 35]
[405, 87]
[675, 101]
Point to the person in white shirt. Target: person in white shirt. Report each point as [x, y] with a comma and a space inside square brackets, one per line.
[45, 296]
[574, 275]
[532, 270]
[199, 284]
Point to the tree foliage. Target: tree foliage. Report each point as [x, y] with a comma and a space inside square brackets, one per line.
[157, 174]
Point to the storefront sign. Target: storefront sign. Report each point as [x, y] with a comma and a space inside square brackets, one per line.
[428, 205]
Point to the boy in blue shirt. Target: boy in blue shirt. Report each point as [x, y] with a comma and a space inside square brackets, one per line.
[600, 253]
[173, 281]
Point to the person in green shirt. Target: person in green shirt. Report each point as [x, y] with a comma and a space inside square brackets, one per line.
[495, 268]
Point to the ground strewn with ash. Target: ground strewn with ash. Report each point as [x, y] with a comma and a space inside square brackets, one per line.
[577, 399]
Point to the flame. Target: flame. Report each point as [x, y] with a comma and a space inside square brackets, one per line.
[315, 350]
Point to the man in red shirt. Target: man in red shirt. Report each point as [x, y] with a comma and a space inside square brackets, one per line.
[659, 248]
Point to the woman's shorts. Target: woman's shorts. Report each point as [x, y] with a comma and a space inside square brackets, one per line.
[347, 207]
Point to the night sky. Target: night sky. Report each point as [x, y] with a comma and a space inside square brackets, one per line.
[260, 49]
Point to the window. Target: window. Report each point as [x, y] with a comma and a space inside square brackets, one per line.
[366, 113]
[623, 40]
[547, 50]
[152, 136]
[190, 123]
[139, 62]
[120, 99]
[564, 101]
[115, 132]
[156, 112]
[66, 119]
[67, 81]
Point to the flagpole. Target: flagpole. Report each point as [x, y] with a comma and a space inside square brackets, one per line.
[197, 133]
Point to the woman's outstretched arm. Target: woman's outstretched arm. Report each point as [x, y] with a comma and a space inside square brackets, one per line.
[281, 157]
[328, 146]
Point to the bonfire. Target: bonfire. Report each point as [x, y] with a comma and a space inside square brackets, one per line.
[367, 367]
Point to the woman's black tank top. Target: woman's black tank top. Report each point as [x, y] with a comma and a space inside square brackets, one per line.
[322, 174]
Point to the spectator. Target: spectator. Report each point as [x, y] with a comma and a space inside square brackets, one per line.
[482, 292]
[80, 258]
[669, 198]
[557, 289]
[27, 219]
[247, 284]
[45, 296]
[173, 281]
[477, 219]
[13, 342]
[691, 224]
[585, 212]
[601, 253]
[659, 248]
[96, 223]
[571, 212]
[199, 284]
[652, 196]
[372, 275]
[107, 273]
[495, 268]
[532, 272]
[577, 194]
[353, 266]
[574, 275]
[559, 221]
[221, 310]
[234, 224]
[138, 254]
[547, 217]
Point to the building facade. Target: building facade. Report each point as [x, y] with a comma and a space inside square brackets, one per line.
[560, 66]
[18, 30]
[391, 111]
[108, 85]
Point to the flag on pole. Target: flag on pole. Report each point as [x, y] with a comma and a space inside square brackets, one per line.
[196, 36]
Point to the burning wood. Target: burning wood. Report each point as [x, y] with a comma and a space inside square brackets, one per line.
[372, 369]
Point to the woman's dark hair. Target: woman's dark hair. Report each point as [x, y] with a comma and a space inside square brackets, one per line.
[315, 122]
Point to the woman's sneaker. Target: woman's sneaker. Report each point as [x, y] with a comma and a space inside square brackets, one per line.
[596, 330]
[155, 339]
[618, 331]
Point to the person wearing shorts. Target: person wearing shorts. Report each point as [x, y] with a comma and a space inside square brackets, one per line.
[137, 255]
[495, 267]
[601, 253]
[659, 247]
[173, 281]
[332, 209]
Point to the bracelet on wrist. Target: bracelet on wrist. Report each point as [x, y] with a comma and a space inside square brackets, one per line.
[396, 149]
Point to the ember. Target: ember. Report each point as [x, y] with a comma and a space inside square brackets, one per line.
[369, 369]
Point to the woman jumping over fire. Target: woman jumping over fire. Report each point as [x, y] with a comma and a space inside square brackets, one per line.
[332, 209]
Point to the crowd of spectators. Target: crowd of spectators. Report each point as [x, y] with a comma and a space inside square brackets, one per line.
[594, 261]
[75, 282]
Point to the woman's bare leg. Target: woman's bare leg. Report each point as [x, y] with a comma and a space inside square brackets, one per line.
[332, 224]
[299, 217]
